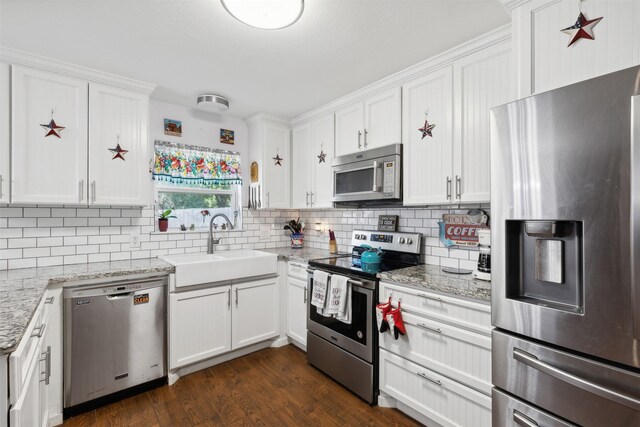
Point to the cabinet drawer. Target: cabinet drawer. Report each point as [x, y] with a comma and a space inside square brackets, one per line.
[297, 270]
[437, 397]
[460, 312]
[457, 353]
[20, 360]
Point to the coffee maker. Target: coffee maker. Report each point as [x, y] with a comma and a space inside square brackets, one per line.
[483, 269]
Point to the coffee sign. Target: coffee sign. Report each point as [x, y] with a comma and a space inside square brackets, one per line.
[462, 230]
[387, 222]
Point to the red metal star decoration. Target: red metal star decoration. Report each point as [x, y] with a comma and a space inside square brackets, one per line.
[278, 160]
[426, 129]
[119, 152]
[53, 128]
[582, 29]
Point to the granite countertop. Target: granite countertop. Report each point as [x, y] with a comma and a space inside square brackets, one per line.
[301, 255]
[21, 290]
[431, 277]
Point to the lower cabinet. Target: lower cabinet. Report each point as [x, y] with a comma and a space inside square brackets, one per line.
[208, 322]
[297, 310]
[441, 367]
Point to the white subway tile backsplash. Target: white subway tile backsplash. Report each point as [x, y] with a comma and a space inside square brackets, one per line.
[50, 241]
[63, 250]
[11, 212]
[22, 222]
[50, 222]
[75, 222]
[63, 212]
[36, 252]
[22, 243]
[22, 263]
[37, 212]
[75, 259]
[10, 253]
[36, 232]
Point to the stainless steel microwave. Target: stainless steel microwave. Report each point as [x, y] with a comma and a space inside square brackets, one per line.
[368, 176]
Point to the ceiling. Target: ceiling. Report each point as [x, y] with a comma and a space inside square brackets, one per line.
[188, 47]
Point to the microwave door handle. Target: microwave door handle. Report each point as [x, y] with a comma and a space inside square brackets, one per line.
[376, 188]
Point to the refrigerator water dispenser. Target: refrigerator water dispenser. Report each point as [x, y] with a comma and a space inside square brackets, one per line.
[544, 263]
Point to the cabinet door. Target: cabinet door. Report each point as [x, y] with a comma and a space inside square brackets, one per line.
[199, 325]
[322, 134]
[301, 176]
[481, 82]
[382, 119]
[427, 162]
[5, 130]
[349, 128]
[48, 169]
[26, 409]
[118, 118]
[297, 310]
[277, 176]
[256, 312]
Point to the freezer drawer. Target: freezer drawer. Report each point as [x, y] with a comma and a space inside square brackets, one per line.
[115, 338]
[507, 411]
[580, 390]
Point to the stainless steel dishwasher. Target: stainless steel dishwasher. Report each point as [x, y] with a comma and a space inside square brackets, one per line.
[114, 337]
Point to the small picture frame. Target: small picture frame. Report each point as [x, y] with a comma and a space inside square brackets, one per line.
[387, 222]
[172, 127]
[227, 136]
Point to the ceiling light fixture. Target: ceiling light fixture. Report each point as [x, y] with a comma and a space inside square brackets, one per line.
[265, 14]
[212, 103]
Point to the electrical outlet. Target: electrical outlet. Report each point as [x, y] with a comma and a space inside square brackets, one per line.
[134, 241]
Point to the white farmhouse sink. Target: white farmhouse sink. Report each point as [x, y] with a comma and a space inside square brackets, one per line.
[196, 269]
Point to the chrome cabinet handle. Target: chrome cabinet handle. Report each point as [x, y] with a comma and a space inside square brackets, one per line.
[448, 188]
[0, 186]
[229, 299]
[359, 135]
[40, 330]
[307, 198]
[82, 190]
[365, 138]
[305, 294]
[567, 377]
[50, 300]
[47, 365]
[268, 199]
[522, 420]
[311, 194]
[458, 185]
[429, 328]
[424, 376]
[427, 296]
[93, 192]
[236, 297]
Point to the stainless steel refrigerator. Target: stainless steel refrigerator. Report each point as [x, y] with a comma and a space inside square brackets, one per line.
[565, 199]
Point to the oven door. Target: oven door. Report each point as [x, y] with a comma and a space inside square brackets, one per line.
[357, 337]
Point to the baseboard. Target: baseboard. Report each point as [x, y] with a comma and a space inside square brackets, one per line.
[280, 342]
[386, 401]
[174, 375]
[298, 344]
[422, 419]
[56, 419]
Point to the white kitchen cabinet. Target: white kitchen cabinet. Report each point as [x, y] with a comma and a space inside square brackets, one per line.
[311, 178]
[427, 162]
[453, 166]
[48, 169]
[481, 81]
[118, 117]
[371, 123]
[256, 312]
[297, 310]
[5, 130]
[543, 60]
[199, 325]
[270, 138]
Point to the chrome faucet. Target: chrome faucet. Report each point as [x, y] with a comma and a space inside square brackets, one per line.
[211, 242]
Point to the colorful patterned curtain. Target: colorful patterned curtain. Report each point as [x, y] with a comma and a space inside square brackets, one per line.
[195, 166]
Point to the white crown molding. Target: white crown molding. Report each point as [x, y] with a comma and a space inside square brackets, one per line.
[497, 36]
[512, 4]
[266, 117]
[19, 57]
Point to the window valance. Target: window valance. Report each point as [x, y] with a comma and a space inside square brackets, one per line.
[195, 166]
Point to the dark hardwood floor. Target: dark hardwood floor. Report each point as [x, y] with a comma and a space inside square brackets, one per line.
[272, 387]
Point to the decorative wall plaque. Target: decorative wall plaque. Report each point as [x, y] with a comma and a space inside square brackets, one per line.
[387, 222]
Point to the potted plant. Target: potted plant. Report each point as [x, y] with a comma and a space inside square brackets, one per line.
[297, 236]
[163, 220]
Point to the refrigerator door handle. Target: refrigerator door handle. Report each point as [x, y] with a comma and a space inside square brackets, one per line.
[635, 212]
[584, 384]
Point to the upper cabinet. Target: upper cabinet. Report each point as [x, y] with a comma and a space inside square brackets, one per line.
[118, 169]
[269, 146]
[78, 136]
[371, 123]
[48, 138]
[452, 165]
[543, 59]
[5, 130]
[312, 151]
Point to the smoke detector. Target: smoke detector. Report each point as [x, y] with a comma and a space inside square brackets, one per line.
[212, 103]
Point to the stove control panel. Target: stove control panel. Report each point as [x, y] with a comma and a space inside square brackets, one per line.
[386, 240]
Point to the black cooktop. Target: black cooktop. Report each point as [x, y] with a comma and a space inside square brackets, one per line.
[345, 264]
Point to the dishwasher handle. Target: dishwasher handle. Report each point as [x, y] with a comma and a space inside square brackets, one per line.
[122, 295]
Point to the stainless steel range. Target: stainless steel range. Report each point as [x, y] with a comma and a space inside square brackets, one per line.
[349, 352]
[565, 199]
